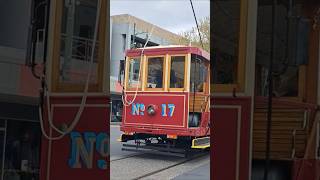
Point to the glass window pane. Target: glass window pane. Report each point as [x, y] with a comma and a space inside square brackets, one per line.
[77, 32]
[116, 111]
[22, 150]
[134, 69]
[198, 75]
[177, 72]
[155, 72]
[226, 15]
[291, 48]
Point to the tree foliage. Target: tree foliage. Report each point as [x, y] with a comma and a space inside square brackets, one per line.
[192, 35]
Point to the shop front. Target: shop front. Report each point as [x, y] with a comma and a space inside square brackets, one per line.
[20, 140]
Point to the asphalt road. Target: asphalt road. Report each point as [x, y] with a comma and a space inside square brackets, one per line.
[132, 165]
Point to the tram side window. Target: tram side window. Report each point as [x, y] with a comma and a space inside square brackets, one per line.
[134, 69]
[198, 75]
[290, 52]
[155, 72]
[226, 38]
[177, 71]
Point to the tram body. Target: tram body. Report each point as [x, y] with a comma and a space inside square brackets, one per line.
[167, 96]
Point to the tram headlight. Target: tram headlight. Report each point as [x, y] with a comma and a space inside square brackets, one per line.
[151, 110]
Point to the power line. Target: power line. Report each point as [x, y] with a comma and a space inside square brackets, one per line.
[195, 18]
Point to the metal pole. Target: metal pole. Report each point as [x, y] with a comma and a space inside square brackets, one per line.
[269, 116]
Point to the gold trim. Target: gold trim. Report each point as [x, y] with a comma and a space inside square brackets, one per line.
[185, 72]
[163, 73]
[57, 86]
[128, 60]
[242, 45]
[184, 111]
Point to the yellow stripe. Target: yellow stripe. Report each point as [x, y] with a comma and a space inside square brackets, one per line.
[200, 146]
[120, 138]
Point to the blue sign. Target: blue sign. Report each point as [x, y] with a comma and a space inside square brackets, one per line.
[139, 108]
[83, 150]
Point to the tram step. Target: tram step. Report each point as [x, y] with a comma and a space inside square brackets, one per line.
[201, 143]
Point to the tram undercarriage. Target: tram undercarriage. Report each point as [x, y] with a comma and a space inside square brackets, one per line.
[160, 144]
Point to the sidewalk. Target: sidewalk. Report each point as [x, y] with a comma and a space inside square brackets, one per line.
[199, 173]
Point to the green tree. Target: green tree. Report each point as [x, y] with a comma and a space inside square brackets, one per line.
[192, 36]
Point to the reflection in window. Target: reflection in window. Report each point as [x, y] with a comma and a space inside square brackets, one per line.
[134, 69]
[291, 49]
[177, 71]
[198, 75]
[226, 15]
[22, 151]
[155, 72]
[116, 111]
[77, 31]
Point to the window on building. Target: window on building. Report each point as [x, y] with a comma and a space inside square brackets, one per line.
[116, 111]
[198, 75]
[124, 42]
[177, 71]
[22, 150]
[155, 72]
[133, 73]
[226, 15]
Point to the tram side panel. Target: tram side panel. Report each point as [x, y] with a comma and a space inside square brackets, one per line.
[230, 138]
[170, 113]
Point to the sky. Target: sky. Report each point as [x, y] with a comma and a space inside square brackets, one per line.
[173, 15]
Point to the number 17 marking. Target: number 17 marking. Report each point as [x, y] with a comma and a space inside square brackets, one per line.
[171, 109]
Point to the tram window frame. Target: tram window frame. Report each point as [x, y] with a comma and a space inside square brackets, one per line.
[239, 81]
[185, 72]
[57, 85]
[206, 81]
[127, 69]
[286, 69]
[164, 72]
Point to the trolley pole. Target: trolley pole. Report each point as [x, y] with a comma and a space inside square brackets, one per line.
[270, 91]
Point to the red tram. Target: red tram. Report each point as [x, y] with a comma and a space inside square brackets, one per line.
[166, 99]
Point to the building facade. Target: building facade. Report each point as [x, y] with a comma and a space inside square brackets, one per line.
[128, 31]
[19, 123]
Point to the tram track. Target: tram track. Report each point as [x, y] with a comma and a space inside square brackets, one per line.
[126, 157]
[171, 166]
[149, 173]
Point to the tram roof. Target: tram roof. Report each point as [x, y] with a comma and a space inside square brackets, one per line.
[171, 49]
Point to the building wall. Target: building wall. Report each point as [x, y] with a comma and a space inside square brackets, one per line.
[122, 30]
[13, 31]
[15, 78]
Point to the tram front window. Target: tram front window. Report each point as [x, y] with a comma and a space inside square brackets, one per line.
[177, 72]
[198, 75]
[155, 72]
[134, 69]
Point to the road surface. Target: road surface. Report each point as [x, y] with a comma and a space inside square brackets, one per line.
[132, 165]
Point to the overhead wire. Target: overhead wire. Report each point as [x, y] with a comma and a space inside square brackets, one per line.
[195, 18]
